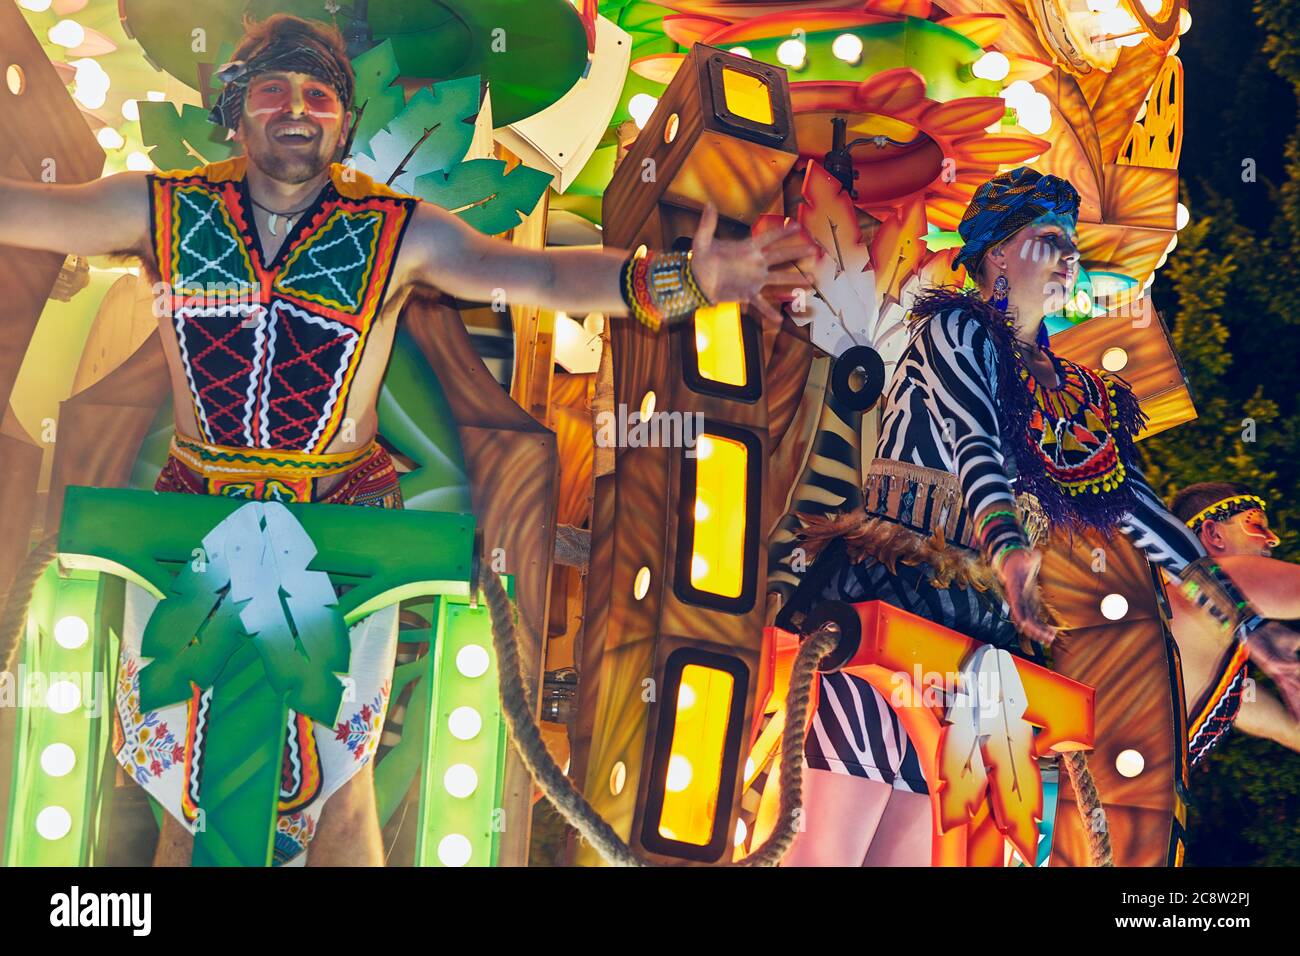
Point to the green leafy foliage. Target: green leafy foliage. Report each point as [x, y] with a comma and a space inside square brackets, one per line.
[182, 140]
[378, 101]
[482, 193]
[431, 134]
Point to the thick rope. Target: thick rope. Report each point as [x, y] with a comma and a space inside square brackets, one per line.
[1091, 812]
[13, 623]
[517, 707]
[572, 546]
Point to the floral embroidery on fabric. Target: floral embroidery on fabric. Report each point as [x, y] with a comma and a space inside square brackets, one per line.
[148, 747]
[293, 832]
[360, 732]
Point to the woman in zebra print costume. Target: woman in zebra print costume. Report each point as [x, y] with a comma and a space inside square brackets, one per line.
[978, 410]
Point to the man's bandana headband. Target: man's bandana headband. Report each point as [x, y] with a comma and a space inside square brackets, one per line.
[296, 55]
[1225, 509]
[1006, 204]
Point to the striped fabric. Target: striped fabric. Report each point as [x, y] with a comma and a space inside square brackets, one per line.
[940, 413]
[854, 731]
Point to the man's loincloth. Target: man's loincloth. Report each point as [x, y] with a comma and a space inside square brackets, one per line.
[1218, 707]
[162, 750]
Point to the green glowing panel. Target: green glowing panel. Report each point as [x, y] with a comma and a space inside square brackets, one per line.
[461, 820]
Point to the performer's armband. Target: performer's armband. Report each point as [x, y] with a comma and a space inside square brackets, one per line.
[999, 534]
[1208, 586]
[659, 287]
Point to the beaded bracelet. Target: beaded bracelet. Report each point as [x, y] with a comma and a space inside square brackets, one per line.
[661, 286]
[1207, 586]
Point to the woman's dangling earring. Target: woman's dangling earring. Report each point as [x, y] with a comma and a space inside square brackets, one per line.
[1001, 292]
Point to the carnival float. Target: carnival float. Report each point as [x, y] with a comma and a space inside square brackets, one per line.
[640, 495]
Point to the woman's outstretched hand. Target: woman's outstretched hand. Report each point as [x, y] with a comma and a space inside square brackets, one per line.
[738, 270]
[1019, 574]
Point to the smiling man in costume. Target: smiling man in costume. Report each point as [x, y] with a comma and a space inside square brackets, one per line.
[1231, 523]
[284, 274]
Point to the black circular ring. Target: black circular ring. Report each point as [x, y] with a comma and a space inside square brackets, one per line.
[867, 359]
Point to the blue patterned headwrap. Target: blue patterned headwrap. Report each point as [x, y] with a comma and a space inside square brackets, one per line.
[1006, 204]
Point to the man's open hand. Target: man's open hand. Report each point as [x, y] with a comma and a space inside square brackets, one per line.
[738, 270]
[1273, 650]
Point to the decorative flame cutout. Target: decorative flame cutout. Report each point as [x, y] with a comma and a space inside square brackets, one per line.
[987, 747]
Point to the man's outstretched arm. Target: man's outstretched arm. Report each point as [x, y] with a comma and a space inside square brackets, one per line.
[443, 251]
[103, 217]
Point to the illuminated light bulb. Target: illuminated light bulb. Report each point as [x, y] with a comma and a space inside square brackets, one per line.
[57, 760]
[454, 850]
[647, 405]
[91, 85]
[1182, 217]
[640, 107]
[131, 111]
[685, 697]
[848, 47]
[992, 66]
[110, 138]
[1129, 763]
[1114, 607]
[139, 162]
[472, 660]
[742, 831]
[71, 632]
[53, 823]
[1113, 360]
[699, 568]
[641, 584]
[67, 33]
[618, 778]
[792, 53]
[679, 774]
[701, 510]
[1018, 92]
[460, 780]
[1184, 21]
[1036, 121]
[36, 6]
[464, 723]
[63, 697]
[742, 51]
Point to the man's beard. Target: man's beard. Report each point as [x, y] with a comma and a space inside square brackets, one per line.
[286, 167]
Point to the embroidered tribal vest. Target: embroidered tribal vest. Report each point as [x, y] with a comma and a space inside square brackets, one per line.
[270, 348]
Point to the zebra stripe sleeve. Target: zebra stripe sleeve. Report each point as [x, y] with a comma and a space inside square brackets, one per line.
[1153, 530]
[959, 368]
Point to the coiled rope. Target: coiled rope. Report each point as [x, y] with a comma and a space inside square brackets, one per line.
[13, 623]
[517, 706]
[1091, 811]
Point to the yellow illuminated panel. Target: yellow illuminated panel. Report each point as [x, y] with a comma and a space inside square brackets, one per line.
[747, 96]
[721, 496]
[720, 345]
[695, 758]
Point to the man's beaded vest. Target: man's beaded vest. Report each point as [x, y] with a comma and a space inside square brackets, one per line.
[270, 348]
